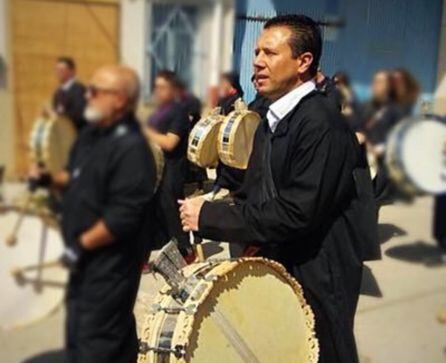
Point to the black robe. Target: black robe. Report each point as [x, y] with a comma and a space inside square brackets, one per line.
[307, 201]
[112, 179]
[71, 103]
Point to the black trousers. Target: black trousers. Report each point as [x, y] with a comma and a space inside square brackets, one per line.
[100, 326]
[440, 221]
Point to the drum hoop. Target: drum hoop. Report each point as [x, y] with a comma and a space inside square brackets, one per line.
[231, 122]
[204, 126]
[393, 160]
[205, 286]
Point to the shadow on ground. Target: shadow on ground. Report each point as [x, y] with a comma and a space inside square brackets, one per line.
[386, 231]
[369, 284]
[55, 356]
[417, 252]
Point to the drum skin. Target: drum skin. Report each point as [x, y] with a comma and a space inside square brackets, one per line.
[415, 156]
[236, 136]
[202, 146]
[245, 310]
[51, 140]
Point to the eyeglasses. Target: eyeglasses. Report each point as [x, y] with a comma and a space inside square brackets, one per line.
[93, 91]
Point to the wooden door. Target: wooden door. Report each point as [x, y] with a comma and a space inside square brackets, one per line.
[43, 30]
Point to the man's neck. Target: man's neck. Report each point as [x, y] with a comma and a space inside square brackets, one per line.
[112, 120]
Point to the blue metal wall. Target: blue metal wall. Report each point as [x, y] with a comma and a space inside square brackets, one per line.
[378, 34]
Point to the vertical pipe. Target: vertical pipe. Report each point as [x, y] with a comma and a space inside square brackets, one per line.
[216, 45]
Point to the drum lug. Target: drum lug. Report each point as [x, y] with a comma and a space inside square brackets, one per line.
[179, 351]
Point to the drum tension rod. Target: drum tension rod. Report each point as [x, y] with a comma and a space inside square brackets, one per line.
[189, 310]
[179, 351]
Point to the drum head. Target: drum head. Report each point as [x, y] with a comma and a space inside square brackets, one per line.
[51, 142]
[253, 311]
[421, 150]
[21, 303]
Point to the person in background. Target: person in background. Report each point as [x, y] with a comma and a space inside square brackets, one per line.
[169, 128]
[193, 107]
[349, 104]
[377, 118]
[69, 99]
[107, 220]
[230, 91]
[406, 89]
[327, 85]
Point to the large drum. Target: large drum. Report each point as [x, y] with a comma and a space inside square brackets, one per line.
[202, 148]
[33, 284]
[236, 136]
[416, 155]
[158, 157]
[245, 310]
[51, 141]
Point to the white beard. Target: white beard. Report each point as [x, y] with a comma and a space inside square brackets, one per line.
[93, 115]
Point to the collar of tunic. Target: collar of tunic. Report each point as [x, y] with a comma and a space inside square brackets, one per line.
[280, 108]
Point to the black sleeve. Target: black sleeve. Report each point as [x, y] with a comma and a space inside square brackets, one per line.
[76, 107]
[130, 189]
[297, 210]
[179, 123]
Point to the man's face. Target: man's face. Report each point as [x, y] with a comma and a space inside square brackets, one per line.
[276, 71]
[106, 97]
[380, 86]
[63, 72]
[164, 91]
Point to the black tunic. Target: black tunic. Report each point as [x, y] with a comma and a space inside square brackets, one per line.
[307, 201]
[71, 103]
[112, 178]
[172, 119]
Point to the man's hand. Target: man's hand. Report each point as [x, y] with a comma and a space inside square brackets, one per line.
[190, 213]
[71, 257]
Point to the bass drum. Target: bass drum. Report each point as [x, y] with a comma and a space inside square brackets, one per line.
[236, 136]
[416, 155]
[202, 147]
[227, 311]
[158, 157]
[51, 141]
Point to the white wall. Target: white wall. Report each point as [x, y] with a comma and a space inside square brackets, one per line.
[440, 93]
[133, 33]
[6, 114]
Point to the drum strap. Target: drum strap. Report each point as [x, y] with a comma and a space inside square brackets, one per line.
[234, 338]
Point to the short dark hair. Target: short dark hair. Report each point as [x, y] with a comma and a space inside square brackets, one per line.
[68, 61]
[170, 76]
[233, 79]
[306, 36]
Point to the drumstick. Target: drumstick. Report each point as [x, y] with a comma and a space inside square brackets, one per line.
[11, 240]
[43, 240]
[18, 272]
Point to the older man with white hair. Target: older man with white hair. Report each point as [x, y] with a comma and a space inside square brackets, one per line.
[107, 219]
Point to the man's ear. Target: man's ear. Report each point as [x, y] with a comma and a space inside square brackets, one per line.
[306, 60]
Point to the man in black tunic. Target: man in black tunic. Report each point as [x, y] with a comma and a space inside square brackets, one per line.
[69, 98]
[307, 199]
[107, 221]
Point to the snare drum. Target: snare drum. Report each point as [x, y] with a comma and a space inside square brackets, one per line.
[415, 155]
[202, 147]
[236, 136]
[227, 311]
[50, 142]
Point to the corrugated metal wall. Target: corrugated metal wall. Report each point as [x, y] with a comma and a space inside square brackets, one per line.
[378, 34]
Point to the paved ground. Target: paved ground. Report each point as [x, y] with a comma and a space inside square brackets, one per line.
[396, 317]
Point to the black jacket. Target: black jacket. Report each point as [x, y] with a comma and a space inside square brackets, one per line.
[315, 214]
[71, 103]
[112, 178]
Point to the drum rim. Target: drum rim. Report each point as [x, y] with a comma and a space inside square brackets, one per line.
[393, 156]
[225, 267]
